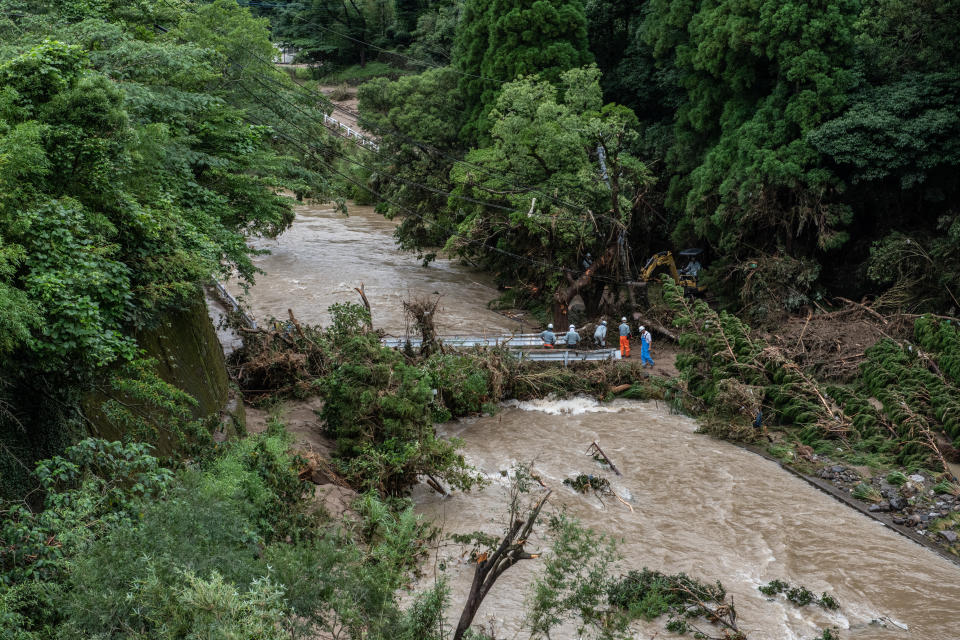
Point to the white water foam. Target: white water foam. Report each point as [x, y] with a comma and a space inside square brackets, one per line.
[575, 406]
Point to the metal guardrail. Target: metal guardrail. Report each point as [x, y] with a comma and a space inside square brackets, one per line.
[231, 302]
[516, 344]
[567, 356]
[351, 132]
[515, 340]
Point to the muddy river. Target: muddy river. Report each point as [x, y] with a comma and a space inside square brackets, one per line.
[704, 507]
[320, 260]
[700, 505]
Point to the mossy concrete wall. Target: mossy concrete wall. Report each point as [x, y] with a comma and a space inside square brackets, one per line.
[189, 356]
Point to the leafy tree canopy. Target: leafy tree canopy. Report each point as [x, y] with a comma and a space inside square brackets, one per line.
[125, 184]
[501, 40]
[550, 203]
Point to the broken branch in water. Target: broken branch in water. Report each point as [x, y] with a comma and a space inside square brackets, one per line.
[594, 449]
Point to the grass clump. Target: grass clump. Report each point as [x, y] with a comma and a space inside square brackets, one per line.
[947, 487]
[897, 478]
[866, 492]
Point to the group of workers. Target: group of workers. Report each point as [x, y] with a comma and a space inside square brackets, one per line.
[572, 339]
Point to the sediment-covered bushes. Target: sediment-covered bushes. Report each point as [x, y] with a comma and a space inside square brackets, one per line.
[904, 404]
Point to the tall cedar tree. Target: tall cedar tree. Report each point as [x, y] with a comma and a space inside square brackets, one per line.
[501, 40]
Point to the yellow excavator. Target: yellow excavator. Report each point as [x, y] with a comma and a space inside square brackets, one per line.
[687, 277]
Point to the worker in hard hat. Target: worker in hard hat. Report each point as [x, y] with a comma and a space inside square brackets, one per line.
[600, 335]
[572, 337]
[549, 337]
[645, 340]
[624, 338]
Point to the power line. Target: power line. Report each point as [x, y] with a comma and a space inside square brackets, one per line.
[424, 145]
[450, 232]
[425, 63]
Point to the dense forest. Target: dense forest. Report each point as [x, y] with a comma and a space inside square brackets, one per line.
[811, 149]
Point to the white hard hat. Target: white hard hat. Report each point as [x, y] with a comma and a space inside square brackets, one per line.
[549, 326]
[572, 327]
[604, 323]
[641, 328]
[623, 319]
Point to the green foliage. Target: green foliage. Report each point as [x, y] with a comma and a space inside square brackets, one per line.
[359, 75]
[417, 118]
[162, 412]
[757, 79]
[499, 41]
[194, 607]
[866, 492]
[377, 408]
[129, 175]
[95, 486]
[546, 137]
[573, 586]
[896, 478]
[650, 594]
[941, 337]
[582, 482]
[724, 360]
[945, 487]
[799, 595]
[463, 388]
[345, 29]
[914, 397]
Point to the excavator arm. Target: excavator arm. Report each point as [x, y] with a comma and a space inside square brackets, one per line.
[657, 260]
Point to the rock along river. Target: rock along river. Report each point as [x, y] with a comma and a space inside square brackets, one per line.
[702, 506]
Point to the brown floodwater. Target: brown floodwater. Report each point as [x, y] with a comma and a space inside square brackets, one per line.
[701, 506]
[324, 255]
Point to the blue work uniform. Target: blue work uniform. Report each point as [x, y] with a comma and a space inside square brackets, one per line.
[600, 335]
[548, 337]
[572, 338]
[645, 340]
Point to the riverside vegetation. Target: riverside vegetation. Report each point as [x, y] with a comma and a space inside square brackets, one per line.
[809, 146]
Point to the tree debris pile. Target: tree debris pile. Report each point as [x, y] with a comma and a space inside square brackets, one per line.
[720, 347]
[833, 345]
[799, 595]
[903, 401]
[583, 482]
[650, 594]
[280, 361]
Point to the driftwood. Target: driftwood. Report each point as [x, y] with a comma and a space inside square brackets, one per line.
[436, 486]
[658, 328]
[509, 552]
[594, 448]
[366, 304]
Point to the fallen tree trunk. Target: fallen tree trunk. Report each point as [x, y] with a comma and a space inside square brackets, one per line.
[562, 298]
[508, 553]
